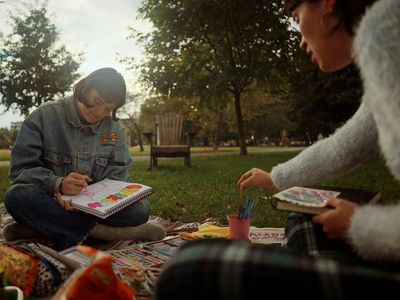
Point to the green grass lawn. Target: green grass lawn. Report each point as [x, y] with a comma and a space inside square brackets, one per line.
[4, 154]
[135, 151]
[208, 188]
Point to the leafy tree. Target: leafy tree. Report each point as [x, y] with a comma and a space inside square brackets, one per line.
[266, 114]
[33, 68]
[7, 137]
[211, 47]
[4, 138]
[131, 118]
[321, 101]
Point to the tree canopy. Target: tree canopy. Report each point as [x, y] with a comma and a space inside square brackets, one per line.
[241, 57]
[34, 68]
[210, 48]
[321, 101]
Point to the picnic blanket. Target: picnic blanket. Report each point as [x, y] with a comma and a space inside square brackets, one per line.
[171, 227]
[140, 283]
[128, 251]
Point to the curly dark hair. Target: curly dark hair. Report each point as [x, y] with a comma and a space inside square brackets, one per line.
[348, 10]
[108, 83]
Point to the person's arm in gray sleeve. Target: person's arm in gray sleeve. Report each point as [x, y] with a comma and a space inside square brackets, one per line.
[374, 229]
[350, 145]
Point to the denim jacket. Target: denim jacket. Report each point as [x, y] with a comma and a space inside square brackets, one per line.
[53, 142]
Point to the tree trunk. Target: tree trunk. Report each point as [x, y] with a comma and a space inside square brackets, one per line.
[217, 134]
[139, 134]
[239, 118]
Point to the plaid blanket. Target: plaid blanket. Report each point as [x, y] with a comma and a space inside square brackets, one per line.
[305, 236]
[221, 269]
[309, 265]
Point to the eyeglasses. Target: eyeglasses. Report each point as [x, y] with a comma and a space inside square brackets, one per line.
[107, 108]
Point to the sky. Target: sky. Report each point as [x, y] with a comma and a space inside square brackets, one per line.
[96, 28]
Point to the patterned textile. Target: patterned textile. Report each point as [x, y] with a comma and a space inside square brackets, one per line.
[171, 227]
[51, 273]
[18, 268]
[221, 269]
[303, 235]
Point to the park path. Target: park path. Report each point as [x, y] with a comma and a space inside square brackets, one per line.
[221, 152]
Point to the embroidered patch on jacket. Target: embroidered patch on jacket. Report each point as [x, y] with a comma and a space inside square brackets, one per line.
[109, 137]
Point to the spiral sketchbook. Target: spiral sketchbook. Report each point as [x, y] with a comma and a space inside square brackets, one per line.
[108, 196]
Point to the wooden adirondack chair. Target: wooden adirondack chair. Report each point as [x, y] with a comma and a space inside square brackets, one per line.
[170, 141]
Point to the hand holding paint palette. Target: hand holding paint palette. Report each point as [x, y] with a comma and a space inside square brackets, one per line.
[108, 196]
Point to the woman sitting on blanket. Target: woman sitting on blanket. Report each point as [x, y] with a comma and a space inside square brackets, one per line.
[61, 148]
[349, 252]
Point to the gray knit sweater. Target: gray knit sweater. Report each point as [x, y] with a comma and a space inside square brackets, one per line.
[374, 230]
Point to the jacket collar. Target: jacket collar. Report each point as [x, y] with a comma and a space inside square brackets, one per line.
[74, 119]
